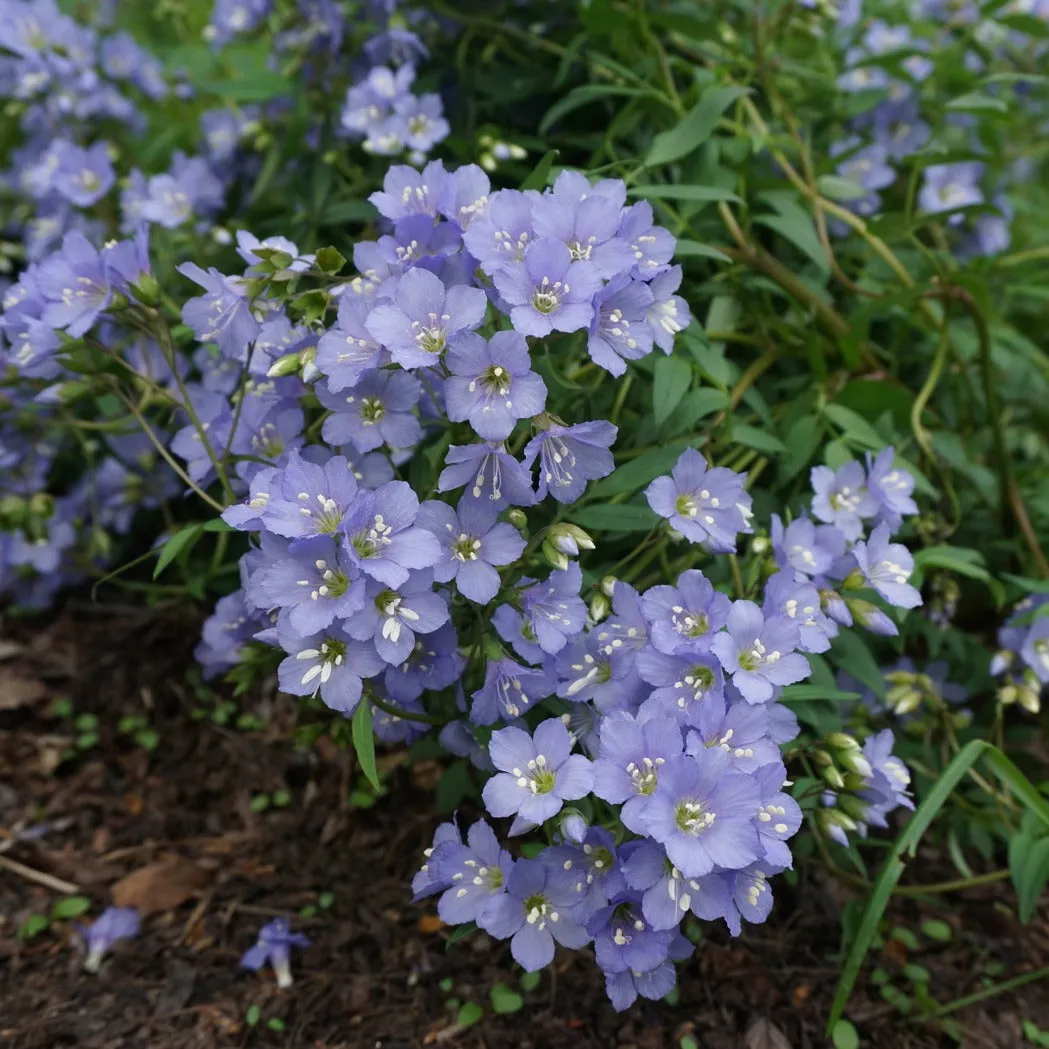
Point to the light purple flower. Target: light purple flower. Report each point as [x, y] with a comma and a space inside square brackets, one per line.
[113, 924]
[887, 567]
[330, 663]
[548, 291]
[669, 313]
[393, 616]
[806, 549]
[274, 946]
[569, 456]
[588, 227]
[223, 315]
[623, 940]
[891, 487]
[472, 544]
[499, 237]
[475, 874]
[702, 812]
[685, 617]
[759, 652]
[383, 538]
[489, 472]
[742, 730]
[800, 601]
[705, 504]
[377, 410]
[630, 760]
[76, 284]
[947, 187]
[84, 176]
[841, 497]
[407, 191]
[683, 684]
[652, 246]
[534, 911]
[553, 608]
[509, 691]
[619, 331]
[492, 384]
[778, 816]
[424, 316]
[537, 774]
[348, 350]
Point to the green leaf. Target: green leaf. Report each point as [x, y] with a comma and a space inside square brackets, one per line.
[216, 524]
[638, 472]
[854, 426]
[689, 249]
[672, 377]
[937, 930]
[701, 194]
[530, 981]
[541, 172]
[799, 228]
[33, 926]
[1031, 878]
[70, 907]
[582, 96]
[695, 405]
[183, 539]
[460, 932]
[615, 518]
[974, 102]
[469, 1014]
[760, 440]
[505, 1000]
[844, 1036]
[350, 210]
[851, 653]
[803, 693]
[364, 742]
[907, 843]
[694, 128]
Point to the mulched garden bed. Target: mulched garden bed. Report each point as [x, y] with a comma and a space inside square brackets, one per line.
[379, 974]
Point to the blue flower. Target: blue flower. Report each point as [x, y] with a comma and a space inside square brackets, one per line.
[274, 946]
[569, 456]
[113, 924]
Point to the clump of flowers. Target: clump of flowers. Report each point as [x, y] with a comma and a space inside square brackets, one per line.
[1022, 660]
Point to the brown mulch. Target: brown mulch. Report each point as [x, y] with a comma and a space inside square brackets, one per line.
[174, 831]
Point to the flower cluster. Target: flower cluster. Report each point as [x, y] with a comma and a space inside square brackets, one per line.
[889, 64]
[1022, 660]
[673, 706]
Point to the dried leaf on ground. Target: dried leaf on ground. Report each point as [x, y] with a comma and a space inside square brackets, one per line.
[764, 1034]
[17, 691]
[160, 886]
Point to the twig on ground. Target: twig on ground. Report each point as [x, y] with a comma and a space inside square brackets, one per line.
[49, 881]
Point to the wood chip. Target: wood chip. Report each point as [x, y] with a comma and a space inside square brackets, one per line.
[160, 886]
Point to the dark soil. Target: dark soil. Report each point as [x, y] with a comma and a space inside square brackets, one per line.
[374, 973]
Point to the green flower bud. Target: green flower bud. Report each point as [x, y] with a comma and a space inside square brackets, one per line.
[286, 365]
[518, 518]
[600, 606]
[608, 585]
[554, 556]
[833, 778]
[147, 290]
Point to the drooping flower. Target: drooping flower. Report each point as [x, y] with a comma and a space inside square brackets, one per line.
[489, 472]
[569, 456]
[509, 691]
[887, 568]
[223, 315]
[274, 946]
[113, 924]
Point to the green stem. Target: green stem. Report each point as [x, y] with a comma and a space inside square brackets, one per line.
[406, 715]
[982, 995]
[921, 435]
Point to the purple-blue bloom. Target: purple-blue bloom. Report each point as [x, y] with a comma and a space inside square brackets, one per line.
[619, 331]
[569, 456]
[508, 692]
[392, 616]
[705, 504]
[114, 923]
[491, 383]
[759, 652]
[537, 773]
[685, 616]
[223, 315]
[841, 498]
[887, 568]
[377, 410]
[489, 473]
[274, 946]
[472, 545]
[553, 608]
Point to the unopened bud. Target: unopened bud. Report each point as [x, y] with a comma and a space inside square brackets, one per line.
[518, 518]
[759, 544]
[834, 605]
[573, 826]
[856, 761]
[904, 699]
[821, 759]
[841, 741]
[554, 556]
[852, 806]
[600, 606]
[570, 539]
[147, 290]
[286, 365]
[1002, 661]
[833, 778]
[608, 585]
[871, 617]
[41, 504]
[854, 580]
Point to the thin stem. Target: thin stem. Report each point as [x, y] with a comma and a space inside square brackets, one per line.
[406, 715]
[921, 435]
[982, 995]
[956, 885]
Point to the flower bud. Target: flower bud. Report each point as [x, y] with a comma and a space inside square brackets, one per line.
[872, 618]
[573, 826]
[518, 518]
[147, 290]
[833, 778]
[554, 556]
[759, 545]
[608, 585]
[570, 539]
[600, 606]
[41, 504]
[841, 741]
[856, 761]
[286, 365]
[854, 580]
[834, 605]
[904, 699]
[852, 806]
